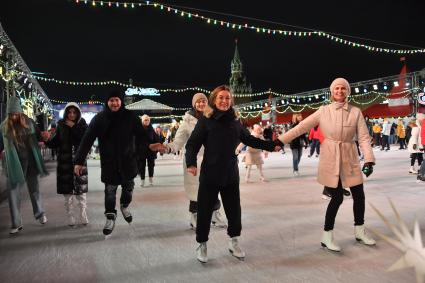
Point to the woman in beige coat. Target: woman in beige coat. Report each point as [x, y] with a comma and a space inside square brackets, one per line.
[339, 165]
[254, 156]
[191, 183]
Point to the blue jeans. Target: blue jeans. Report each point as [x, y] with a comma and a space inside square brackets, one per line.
[315, 145]
[296, 157]
[14, 191]
[110, 196]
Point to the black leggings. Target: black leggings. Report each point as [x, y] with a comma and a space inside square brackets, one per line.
[414, 156]
[337, 199]
[142, 167]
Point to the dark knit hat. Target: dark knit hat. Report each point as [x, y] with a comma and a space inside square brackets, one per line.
[13, 105]
[115, 93]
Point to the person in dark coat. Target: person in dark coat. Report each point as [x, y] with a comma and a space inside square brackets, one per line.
[146, 155]
[297, 144]
[66, 139]
[220, 132]
[118, 131]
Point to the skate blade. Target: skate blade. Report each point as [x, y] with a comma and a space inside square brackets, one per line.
[240, 258]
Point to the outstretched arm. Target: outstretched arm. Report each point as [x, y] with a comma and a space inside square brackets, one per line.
[254, 142]
[303, 127]
[180, 139]
[86, 143]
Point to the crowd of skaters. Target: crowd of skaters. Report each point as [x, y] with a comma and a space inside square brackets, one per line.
[211, 137]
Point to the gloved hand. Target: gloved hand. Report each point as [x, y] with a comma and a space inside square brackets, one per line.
[368, 168]
[278, 143]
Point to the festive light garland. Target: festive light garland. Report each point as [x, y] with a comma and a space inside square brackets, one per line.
[78, 102]
[258, 29]
[290, 107]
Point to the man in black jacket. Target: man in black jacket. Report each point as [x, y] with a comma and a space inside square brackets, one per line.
[117, 130]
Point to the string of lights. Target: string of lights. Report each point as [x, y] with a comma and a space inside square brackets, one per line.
[246, 26]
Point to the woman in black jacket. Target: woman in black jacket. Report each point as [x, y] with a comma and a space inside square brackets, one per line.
[220, 132]
[67, 138]
[145, 155]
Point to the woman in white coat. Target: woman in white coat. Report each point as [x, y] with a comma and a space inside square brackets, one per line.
[191, 183]
[339, 165]
[414, 147]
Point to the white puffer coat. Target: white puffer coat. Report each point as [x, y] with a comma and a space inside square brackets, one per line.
[415, 139]
[191, 183]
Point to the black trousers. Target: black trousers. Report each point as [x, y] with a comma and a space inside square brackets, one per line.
[338, 197]
[142, 167]
[414, 156]
[402, 143]
[207, 198]
[110, 196]
[193, 206]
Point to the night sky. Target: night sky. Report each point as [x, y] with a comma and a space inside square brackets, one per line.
[158, 49]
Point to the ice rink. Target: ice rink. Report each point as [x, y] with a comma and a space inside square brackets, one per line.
[282, 225]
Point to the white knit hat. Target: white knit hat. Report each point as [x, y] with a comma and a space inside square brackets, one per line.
[198, 96]
[340, 81]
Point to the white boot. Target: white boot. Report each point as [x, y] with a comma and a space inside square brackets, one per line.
[150, 181]
[234, 248]
[201, 252]
[360, 234]
[143, 183]
[328, 242]
[68, 209]
[217, 220]
[82, 201]
[412, 170]
[193, 218]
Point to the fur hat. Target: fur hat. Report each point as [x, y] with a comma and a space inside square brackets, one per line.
[340, 81]
[13, 105]
[198, 96]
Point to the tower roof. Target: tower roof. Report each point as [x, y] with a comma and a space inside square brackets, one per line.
[236, 58]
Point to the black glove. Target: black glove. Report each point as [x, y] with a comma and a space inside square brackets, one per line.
[368, 168]
[277, 142]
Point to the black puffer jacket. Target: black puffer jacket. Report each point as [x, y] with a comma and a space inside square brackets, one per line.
[220, 135]
[117, 132]
[67, 139]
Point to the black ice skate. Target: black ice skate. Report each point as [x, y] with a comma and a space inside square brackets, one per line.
[110, 224]
[126, 214]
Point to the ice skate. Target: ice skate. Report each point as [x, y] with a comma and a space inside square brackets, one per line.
[362, 237]
[109, 225]
[14, 231]
[201, 252]
[126, 214]
[217, 219]
[235, 250]
[328, 241]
